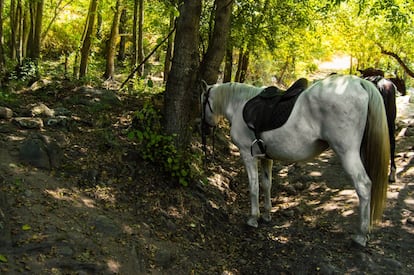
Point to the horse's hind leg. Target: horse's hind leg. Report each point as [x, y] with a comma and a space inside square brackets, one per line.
[351, 161]
[266, 184]
[393, 169]
[252, 172]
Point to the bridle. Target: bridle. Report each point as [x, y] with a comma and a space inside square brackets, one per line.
[205, 126]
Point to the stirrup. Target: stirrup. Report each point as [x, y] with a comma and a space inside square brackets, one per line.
[258, 149]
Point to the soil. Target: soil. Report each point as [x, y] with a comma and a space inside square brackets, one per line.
[104, 210]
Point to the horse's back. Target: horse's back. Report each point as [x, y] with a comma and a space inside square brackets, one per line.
[332, 111]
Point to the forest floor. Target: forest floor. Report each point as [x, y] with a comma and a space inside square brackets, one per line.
[104, 210]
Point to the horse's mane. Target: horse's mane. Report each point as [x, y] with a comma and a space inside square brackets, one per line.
[232, 92]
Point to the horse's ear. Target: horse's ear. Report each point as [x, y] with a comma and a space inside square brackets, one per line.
[204, 85]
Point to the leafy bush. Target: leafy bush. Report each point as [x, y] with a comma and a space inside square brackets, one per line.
[28, 70]
[158, 147]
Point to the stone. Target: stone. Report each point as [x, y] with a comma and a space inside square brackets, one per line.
[5, 113]
[29, 122]
[41, 151]
[61, 111]
[40, 110]
[58, 121]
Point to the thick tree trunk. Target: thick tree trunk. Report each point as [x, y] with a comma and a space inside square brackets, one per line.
[36, 9]
[87, 39]
[111, 43]
[210, 65]
[180, 95]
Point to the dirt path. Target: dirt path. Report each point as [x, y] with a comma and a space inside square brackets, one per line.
[106, 211]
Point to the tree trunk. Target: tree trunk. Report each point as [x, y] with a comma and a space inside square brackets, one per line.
[87, 39]
[13, 28]
[122, 30]
[2, 61]
[210, 65]
[168, 52]
[180, 95]
[228, 64]
[36, 23]
[111, 43]
[244, 66]
[137, 36]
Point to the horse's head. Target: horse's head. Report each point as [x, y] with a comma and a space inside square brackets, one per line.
[208, 118]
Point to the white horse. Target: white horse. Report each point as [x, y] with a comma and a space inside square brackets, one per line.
[345, 113]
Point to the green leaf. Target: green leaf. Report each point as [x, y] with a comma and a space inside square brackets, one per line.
[3, 259]
[26, 227]
[150, 83]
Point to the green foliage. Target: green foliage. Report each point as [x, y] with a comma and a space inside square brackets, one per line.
[159, 148]
[26, 71]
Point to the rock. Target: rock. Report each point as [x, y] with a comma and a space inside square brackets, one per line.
[41, 83]
[29, 122]
[91, 96]
[5, 113]
[41, 152]
[60, 111]
[41, 110]
[59, 121]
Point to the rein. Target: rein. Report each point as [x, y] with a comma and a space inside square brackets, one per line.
[205, 126]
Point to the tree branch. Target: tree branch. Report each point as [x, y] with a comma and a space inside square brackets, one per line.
[399, 60]
[148, 56]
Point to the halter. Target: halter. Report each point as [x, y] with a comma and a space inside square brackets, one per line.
[205, 126]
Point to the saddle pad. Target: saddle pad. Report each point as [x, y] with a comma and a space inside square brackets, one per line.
[264, 113]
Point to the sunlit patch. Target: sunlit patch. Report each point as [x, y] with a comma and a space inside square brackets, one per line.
[77, 200]
[315, 174]
[279, 239]
[15, 138]
[313, 202]
[329, 206]
[347, 213]
[113, 266]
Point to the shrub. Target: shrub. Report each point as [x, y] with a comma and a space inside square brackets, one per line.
[158, 147]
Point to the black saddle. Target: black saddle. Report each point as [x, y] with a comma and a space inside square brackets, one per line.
[271, 108]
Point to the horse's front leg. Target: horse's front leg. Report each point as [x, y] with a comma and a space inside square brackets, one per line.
[252, 172]
[266, 184]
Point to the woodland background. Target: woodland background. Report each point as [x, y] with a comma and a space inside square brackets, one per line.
[165, 47]
[106, 95]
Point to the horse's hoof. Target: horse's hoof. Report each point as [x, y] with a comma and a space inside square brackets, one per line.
[252, 221]
[359, 240]
[391, 177]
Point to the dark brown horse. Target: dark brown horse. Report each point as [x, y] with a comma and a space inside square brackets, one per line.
[387, 88]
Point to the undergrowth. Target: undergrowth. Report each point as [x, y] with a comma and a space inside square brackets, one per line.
[159, 148]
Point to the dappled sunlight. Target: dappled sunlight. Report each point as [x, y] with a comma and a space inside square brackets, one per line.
[77, 199]
[113, 266]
